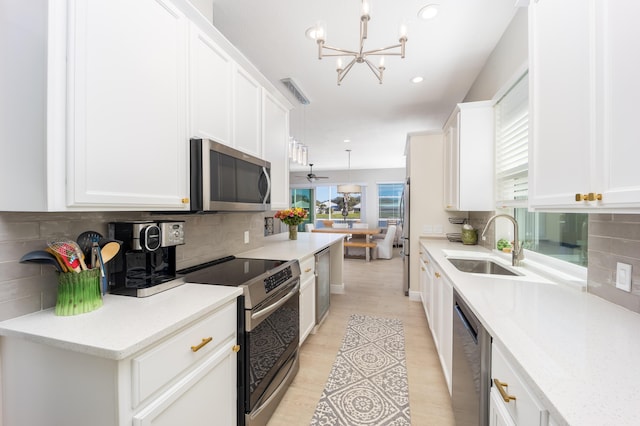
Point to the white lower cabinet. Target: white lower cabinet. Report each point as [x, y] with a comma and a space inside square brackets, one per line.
[512, 402]
[307, 297]
[185, 402]
[498, 414]
[188, 378]
[437, 297]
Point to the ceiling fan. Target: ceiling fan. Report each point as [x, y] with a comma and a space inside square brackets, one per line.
[311, 177]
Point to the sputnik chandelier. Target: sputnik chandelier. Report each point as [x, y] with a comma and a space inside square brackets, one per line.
[360, 56]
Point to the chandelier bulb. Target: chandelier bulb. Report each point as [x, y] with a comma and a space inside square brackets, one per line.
[366, 9]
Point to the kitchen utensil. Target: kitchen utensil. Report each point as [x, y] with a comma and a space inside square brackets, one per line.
[68, 254]
[109, 251]
[41, 257]
[59, 259]
[98, 254]
[85, 242]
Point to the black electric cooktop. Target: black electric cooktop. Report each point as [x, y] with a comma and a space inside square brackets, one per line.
[230, 271]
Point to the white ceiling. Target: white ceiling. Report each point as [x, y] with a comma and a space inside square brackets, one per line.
[448, 52]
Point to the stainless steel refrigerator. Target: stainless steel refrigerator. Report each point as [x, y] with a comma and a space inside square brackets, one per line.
[405, 250]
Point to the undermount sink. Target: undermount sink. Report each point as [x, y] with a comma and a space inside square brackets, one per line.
[480, 266]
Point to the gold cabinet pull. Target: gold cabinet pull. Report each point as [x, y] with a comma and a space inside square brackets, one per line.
[236, 348]
[437, 275]
[307, 270]
[422, 268]
[582, 197]
[200, 346]
[185, 201]
[592, 196]
[503, 393]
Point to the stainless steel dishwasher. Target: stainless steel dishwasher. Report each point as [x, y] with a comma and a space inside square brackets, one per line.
[471, 365]
[323, 284]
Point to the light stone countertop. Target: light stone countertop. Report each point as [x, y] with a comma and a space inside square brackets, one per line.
[280, 247]
[123, 325]
[576, 350]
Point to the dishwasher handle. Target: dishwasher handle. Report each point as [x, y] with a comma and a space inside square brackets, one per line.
[466, 323]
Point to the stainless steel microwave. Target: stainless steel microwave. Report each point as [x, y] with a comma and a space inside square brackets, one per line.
[224, 179]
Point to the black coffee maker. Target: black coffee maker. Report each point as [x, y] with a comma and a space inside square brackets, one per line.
[146, 263]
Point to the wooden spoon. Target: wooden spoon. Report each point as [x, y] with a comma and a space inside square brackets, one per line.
[109, 251]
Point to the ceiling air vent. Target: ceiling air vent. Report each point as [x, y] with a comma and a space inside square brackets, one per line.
[295, 90]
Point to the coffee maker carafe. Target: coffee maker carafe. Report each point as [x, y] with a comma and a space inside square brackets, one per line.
[146, 263]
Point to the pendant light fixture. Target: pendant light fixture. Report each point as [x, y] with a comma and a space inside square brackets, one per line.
[359, 56]
[349, 188]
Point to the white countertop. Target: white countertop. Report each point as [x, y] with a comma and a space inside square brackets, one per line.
[123, 325]
[280, 247]
[577, 350]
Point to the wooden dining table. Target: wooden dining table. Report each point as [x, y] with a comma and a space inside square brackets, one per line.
[367, 232]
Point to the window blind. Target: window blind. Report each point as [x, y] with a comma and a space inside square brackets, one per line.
[512, 140]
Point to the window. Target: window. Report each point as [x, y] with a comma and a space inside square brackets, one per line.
[303, 198]
[329, 205]
[389, 201]
[559, 235]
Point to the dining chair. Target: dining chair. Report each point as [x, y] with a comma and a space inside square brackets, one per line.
[384, 249]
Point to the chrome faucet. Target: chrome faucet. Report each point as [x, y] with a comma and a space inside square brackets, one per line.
[516, 253]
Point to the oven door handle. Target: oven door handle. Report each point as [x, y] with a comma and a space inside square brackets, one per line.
[271, 308]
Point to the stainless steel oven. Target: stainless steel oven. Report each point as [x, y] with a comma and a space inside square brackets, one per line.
[268, 328]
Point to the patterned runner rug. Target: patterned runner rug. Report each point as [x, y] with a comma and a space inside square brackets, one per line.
[368, 382]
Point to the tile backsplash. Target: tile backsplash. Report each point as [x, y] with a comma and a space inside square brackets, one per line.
[26, 288]
[614, 238]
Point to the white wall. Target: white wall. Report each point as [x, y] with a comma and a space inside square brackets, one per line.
[368, 178]
[507, 58]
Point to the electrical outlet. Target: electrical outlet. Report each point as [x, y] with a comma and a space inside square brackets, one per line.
[246, 237]
[623, 276]
[437, 229]
[427, 229]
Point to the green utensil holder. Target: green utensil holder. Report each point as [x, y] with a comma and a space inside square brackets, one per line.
[78, 292]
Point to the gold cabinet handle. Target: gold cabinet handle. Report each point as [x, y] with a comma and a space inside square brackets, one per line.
[503, 393]
[201, 345]
[422, 268]
[592, 196]
[185, 201]
[308, 270]
[582, 197]
[437, 275]
[236, 348]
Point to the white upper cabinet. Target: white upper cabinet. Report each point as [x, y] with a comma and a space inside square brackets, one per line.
[584, 89]
[210, 88]
[104, 96]
[247, 107]
[468, 158]
[275, 121]
[127, 104]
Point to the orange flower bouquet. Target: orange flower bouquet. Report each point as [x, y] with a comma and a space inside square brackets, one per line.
[292, 217]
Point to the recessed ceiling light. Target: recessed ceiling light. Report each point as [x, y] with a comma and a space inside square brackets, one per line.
[417, 79]
[347, 140]
[428, 12]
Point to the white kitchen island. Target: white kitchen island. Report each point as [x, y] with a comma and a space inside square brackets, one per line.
[280, 247]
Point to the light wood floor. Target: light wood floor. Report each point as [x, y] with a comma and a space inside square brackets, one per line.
[371, 288]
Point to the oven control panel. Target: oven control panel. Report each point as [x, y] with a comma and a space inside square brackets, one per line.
[274, 281]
